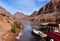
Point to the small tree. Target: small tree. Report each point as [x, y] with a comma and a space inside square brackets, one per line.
[17, 24]
[13, 29]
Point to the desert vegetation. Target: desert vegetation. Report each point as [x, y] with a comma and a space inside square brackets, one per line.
[3, 14]
[15, 26]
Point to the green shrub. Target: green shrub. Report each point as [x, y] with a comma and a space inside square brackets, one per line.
[13, 29]
[8, 16]
[17, 24]
[3, 14]
[8, 21]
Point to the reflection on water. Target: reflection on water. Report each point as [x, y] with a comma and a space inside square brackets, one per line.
[27, 36]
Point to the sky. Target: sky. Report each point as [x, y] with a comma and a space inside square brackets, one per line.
[25, 6]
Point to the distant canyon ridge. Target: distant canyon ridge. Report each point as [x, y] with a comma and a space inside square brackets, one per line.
[48, 13]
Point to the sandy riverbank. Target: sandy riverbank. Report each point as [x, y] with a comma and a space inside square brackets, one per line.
[9, 36]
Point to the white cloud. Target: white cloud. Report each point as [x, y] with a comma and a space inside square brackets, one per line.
[9, 8]
[41, 0]
[26, 6]
[25, 3]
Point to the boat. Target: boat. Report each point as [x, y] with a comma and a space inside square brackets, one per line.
[48, 31]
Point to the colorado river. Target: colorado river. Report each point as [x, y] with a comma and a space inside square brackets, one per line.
[27, 36]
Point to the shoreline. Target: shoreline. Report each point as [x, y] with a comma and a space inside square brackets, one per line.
[19, 35]
[12, 36]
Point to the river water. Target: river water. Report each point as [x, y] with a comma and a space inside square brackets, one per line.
[27, 36]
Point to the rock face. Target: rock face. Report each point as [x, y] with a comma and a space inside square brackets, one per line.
[6, 24]
[3, 11]
[34, 13]
[5, 18]
[52, 6]
[19, 15]
[48, 13]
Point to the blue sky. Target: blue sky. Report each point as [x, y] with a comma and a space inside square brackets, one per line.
[25, 6]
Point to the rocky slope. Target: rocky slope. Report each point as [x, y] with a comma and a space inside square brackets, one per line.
[52, 6]
[48, 13]
[4, 11]
[34, 13]
[19, 15]
[6, 24]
